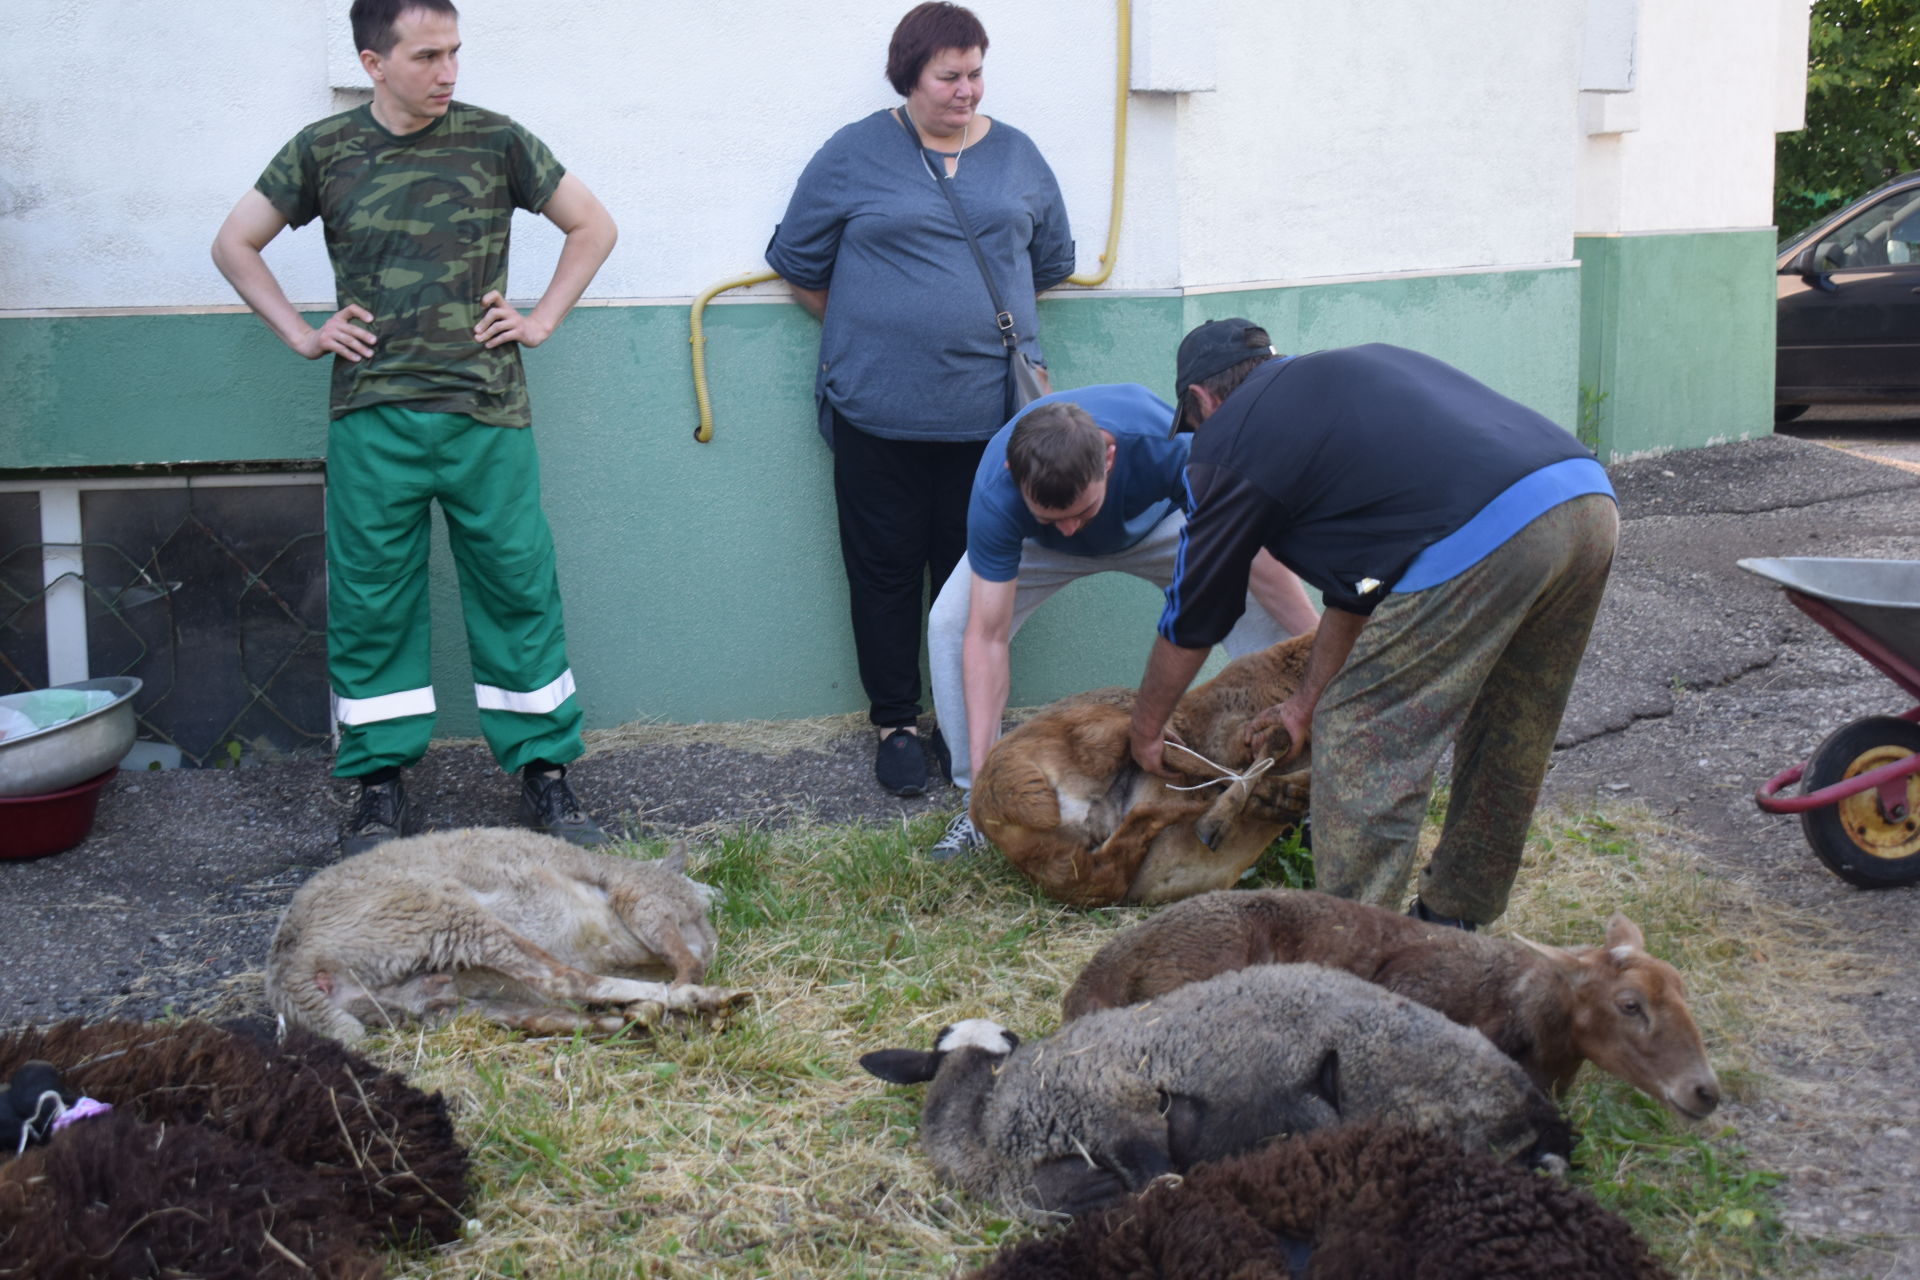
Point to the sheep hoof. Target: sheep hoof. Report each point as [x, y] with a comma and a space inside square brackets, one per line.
[645, 1013]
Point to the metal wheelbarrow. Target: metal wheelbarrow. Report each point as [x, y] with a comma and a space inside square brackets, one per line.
[1859, 800]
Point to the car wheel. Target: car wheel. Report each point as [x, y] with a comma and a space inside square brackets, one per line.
[1788, 412]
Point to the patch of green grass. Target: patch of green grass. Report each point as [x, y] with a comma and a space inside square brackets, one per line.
[1691, 1192]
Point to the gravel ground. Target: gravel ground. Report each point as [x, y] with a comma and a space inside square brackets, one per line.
[1701, 682]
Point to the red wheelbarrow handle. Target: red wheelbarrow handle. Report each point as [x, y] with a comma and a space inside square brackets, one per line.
[1886, 774]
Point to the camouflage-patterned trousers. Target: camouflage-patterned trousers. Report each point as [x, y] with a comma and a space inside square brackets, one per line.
[1484, 660]
[386, 466]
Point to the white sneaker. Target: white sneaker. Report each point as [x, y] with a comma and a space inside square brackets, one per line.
[960, 838]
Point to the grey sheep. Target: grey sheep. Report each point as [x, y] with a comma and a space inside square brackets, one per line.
[1116, 1099]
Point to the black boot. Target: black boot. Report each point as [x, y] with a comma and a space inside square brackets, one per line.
[382, 813]
[552, 807]
[1419, 911]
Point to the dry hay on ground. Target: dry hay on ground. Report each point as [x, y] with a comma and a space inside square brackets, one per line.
[766, 1151]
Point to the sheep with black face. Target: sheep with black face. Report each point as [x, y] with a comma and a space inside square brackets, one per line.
[1116, 1099]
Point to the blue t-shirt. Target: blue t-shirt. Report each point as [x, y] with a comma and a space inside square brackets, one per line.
[1144, 486]
[909, 349]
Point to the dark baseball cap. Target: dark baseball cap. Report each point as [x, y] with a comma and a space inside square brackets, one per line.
[1213, 347]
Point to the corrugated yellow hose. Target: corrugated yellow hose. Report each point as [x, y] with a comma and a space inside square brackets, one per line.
[1123, 47]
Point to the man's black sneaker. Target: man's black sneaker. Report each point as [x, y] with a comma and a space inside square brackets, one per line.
[382, 813]
[1419, 911]
[551, 807]
[901, 766]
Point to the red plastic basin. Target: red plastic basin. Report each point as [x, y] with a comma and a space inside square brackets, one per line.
[35, 826]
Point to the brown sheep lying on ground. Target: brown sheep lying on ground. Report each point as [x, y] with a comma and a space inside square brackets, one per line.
[1548, 1008]
[113, 1196]
[1354, 1203]
[1061, 797]
[250, 1133]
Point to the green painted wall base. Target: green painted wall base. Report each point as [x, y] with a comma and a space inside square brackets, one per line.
[703, 582]
[1676, 339]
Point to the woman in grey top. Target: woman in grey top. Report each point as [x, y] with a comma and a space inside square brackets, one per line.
[913, 374]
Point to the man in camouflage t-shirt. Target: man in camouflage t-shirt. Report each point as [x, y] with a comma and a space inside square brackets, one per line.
[429, 402]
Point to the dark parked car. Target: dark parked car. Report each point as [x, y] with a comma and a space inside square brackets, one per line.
[1849, 304]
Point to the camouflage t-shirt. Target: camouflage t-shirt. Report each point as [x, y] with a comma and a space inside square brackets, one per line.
[417, 228]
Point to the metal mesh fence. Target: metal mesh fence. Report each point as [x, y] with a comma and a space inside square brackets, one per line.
[214, 596]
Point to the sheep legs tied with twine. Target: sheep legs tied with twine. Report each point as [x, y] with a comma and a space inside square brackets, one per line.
[1228, 776]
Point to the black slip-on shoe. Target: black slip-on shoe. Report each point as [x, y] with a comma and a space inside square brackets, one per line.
[942, 754]
[900, 764]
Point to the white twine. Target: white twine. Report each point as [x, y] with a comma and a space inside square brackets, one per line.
[1254, 770]
[29, 1125]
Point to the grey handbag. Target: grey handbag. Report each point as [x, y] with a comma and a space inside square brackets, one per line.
[1025, 382]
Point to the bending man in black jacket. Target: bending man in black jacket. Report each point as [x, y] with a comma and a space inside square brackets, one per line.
[1461, 543]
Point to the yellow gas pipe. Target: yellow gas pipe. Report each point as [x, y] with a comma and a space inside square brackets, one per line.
[1123, 46]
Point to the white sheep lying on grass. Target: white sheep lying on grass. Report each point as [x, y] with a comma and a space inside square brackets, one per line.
[519, 927]
[1116, 1099]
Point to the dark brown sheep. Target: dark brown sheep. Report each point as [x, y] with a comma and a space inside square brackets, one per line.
[1354, 1203]
[1548, 1008]
[114, 1196]
[384, 1151]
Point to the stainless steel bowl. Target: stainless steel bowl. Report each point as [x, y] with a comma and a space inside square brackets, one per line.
[61, 755]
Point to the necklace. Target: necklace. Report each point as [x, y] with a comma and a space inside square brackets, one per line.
[966, 133]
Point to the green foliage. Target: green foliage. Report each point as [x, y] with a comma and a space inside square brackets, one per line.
[1863, 109]
[1591, 399]
[1689, 1190]
[1287, 864]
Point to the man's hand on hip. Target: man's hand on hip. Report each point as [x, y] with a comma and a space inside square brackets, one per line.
[502, 324]
[339, 336]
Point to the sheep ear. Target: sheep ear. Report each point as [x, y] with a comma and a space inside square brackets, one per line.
[676, 859]
[901, 1066]
[1559, 955]
[1622, 932]
[1327, 1080]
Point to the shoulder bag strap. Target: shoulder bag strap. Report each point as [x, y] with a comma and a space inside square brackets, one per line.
[1002, 318]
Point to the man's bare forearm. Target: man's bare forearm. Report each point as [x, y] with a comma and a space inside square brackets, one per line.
[247, 271]
[581, 256]
[1170, 669]
[985, 681]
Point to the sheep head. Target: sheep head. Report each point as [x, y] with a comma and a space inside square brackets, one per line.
[907, 1066]
[1630, 1018]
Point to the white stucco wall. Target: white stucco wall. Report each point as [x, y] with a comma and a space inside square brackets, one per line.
[1391, 136]
[1340, 140]
[1713, 80]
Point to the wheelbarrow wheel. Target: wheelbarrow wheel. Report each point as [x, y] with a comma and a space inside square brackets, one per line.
[1854, 838]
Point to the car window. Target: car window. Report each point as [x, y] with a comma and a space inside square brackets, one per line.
[1886, 233]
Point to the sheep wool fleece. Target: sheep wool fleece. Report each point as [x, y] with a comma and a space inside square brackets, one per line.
[385, 465]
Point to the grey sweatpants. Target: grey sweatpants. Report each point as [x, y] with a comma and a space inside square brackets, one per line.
[1042, 572]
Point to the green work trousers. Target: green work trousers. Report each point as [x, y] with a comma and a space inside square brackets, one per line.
[1484, 660]
[386, 465]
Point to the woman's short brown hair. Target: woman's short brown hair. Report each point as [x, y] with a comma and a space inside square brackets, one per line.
[925, 31]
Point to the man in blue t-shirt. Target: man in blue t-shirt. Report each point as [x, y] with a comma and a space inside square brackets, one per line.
[1460, 542]
[1080, 482]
